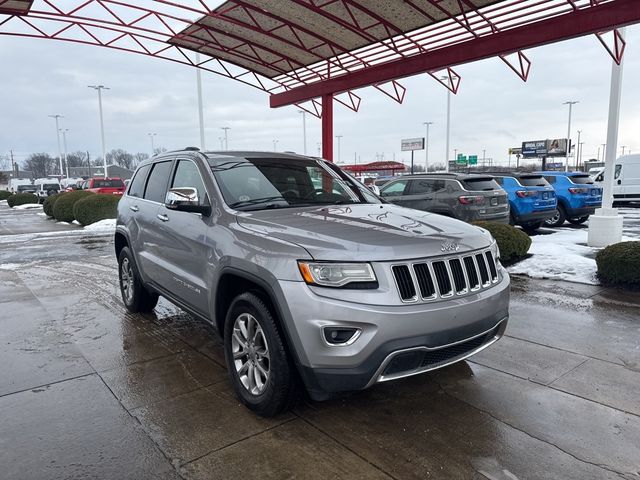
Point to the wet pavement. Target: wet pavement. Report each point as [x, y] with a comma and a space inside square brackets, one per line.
[88, 390]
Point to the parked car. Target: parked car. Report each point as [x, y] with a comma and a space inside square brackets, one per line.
[313, 280]
[26, 188]
[114, 186]
[626, 179]
[46, 187]
[469, 198]
[532, 199]
[578, 197]
[14, 183]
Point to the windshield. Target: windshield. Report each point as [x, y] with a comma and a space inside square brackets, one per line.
[581, 179]
[533, 181]
[117, 183]
[51, 186]
[480, 184]
[22, 188]
[260, 183]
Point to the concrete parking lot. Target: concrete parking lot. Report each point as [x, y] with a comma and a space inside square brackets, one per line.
[88, 390]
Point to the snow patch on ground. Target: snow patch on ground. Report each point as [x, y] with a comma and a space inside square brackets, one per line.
[103, 226]
[563, 255]
[3, 202]
[27, 206]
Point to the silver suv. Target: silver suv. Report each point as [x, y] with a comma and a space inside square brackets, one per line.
[311, 279]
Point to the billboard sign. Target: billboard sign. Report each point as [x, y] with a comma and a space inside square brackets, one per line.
[535, 148]
[410, 144]
[515, 151]
[557, 147]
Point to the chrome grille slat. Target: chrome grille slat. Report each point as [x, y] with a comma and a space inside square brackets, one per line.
[442, 278]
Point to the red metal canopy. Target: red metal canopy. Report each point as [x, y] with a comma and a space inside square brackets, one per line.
[301, 50]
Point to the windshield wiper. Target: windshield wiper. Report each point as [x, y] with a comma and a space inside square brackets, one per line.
[255, 201]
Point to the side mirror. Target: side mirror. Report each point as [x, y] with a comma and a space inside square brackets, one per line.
[185, 199]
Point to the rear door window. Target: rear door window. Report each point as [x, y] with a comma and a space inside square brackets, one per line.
[550, 179]
[136, 188]
[533, 181]
[581, 179]
[157, 183]
[480, 184]
[393, 189]
[617, 173]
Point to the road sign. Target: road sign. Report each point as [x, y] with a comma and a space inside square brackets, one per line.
[411, 144]
[461, 160]
[473, 159]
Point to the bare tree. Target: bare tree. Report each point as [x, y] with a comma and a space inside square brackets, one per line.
[5, 162]
[120, 157]
[140, 157]
[159, 150]
[77, 159]
[40, 164]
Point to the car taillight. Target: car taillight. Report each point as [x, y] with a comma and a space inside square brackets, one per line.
[578, 190]
[471, 200]
[526, 193]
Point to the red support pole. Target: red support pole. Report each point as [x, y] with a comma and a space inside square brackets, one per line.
[327, 127]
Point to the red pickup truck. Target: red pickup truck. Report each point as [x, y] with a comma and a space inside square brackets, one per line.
[104, 185]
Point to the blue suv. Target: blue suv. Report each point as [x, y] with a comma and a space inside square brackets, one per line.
[531, 199]
[578, 197]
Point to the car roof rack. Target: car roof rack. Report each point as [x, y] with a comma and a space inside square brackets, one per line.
[192, 149]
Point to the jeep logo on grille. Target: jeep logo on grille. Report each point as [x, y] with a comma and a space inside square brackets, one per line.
[449, 247]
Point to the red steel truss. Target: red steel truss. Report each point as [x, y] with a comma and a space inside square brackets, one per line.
[312, 52]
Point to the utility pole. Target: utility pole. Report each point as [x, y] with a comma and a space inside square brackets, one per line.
[153, 149]
[581, 149]
[304, 130]
[604, 151]
[221, 143]
[200, 106]
[226, 137]
[58, 137]
[624, 147]
[64, 143]
[275, 145]
[571, 103]
[99, 88]
[426, 148]
[339, 137]
[577, 150]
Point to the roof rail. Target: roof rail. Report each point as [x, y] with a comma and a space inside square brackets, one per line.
[192, 149]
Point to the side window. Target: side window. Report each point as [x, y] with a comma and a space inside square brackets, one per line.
[420, 187]
[500, 180]
[395, 188]
[187, 175]
[157, 183]
[550, 179]
[617, 172]
[136, 187]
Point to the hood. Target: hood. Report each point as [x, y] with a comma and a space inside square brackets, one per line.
[366, 232]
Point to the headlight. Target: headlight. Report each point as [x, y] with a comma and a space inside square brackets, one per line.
[336, 274]
[497, 250]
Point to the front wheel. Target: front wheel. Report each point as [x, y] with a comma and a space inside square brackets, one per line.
[578, 221]
[134, 294]
[558, 219]
[260, 371]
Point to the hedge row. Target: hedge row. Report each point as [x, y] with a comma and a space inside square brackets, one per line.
[63, 206]
[85, 207]
[49, 202]
[4, 194]
[513, 243]
[619, 264]
[21, 199]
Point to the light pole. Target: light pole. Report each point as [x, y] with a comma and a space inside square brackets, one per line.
[200, 107]
[304, 130]
[426, 148]
[99, 88]
[624, 147]
[571, 103]
[221, 143]
[581, 148]
[153, 149]
[577, 151]
[604, 151]
[484, 156]
[64, 144]
[226, 137]
[275, 145]
[446, 77]
[339, 137]
[58, 137]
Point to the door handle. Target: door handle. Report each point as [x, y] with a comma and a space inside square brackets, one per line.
[619, 182]
[163, 217]
[134, 208]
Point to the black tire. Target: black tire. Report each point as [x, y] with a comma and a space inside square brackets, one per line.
[512, 219]
[578, 221]
[558, 220]
[138, 299]
[279, 392]
[532, 227]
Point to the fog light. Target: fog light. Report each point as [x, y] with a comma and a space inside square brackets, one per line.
[340, 335]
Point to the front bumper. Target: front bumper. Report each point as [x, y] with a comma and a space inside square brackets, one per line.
[387, 332]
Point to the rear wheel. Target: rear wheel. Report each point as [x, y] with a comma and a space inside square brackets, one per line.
[134, 294]
[532, 227]
[578, 221]
[262, 376]
[558, 219]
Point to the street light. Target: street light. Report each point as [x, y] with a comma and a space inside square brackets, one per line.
[571, 103]
[226, 137]
[446, 77]
[221, 142]
[577, 150]
[153, 149]
[64, 143]
[58, 137]
[426, 147]
[339, 137]
[275, 145]
[304, 130]
[99, 88]
[624, 147]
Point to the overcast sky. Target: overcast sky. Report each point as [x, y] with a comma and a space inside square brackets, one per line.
[494, 109]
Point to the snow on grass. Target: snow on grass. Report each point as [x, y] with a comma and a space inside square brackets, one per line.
[3, 202]
[563, 255]
[27, 206]
[103, 226]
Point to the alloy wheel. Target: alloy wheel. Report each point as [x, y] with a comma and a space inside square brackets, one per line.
[250, 354]
[126, 280]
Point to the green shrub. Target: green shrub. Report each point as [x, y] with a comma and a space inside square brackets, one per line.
[49, 202]
[513, 242]
[63, 207]
[95, 208]
[4, 194]
[619, 264]
[21, 199]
